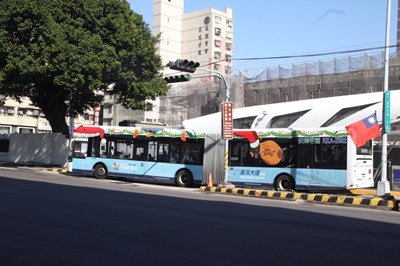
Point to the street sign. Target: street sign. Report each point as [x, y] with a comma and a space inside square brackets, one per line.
[227, 120]
[386, 119]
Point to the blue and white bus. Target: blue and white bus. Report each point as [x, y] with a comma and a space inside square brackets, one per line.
[281, 159]
[159, 155]
[299, 159]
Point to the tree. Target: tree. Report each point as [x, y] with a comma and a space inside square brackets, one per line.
[50, 49]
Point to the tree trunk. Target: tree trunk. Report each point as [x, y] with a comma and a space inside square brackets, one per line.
[55, 112]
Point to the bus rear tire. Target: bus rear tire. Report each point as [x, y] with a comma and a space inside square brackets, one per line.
[284, 183]
[184, 179]
[100, 171]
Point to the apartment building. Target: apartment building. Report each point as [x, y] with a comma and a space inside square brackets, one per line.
[204, 36]
[23, 117]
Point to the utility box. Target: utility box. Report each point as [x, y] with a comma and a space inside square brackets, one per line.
[396, 177]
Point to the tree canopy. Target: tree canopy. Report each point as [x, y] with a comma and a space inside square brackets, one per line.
[50, 49]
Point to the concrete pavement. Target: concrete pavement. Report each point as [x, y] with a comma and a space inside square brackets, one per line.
[354, 197]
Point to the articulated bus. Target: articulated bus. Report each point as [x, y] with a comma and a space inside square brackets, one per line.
[294, 159]
[154, 154]
[283, 159]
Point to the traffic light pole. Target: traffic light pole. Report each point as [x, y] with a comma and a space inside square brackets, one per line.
[186, 65]
[227, 98]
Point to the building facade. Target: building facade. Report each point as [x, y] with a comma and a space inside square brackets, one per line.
[23, 117]
[204, 36]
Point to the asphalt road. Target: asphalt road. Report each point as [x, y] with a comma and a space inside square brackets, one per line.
[51, 219]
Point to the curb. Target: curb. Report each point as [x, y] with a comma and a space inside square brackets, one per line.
[55, 170]
[371, 202]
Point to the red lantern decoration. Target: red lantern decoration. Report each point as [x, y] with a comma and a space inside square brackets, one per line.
[183, 136]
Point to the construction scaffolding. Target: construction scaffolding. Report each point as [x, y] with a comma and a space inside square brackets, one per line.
[339, 76]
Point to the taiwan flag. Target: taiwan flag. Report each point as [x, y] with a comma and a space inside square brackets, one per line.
[364, 130]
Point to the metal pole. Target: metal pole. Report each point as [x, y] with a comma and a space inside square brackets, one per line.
[227, 97]
[71, 118]
[383, 188]
[70, 132]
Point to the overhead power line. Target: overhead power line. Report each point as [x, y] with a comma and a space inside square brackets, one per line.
[313, 55]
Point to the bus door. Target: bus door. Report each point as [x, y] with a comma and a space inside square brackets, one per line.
[308, 174]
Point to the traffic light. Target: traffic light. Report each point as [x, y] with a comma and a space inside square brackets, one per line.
[183, 65]
[177, 78]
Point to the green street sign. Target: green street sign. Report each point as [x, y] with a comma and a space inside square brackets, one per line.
[387, 111]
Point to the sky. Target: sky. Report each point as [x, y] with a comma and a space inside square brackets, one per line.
[280, 28]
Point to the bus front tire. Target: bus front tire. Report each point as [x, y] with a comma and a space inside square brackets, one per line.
[100, 171]
[184, 178]
[284, 183]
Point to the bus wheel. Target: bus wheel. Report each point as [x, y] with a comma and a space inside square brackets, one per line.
[184, 178]
[100, 171]
[284, 182]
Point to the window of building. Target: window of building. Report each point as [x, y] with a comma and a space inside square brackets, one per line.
[286, 120]
[199, 29]
[227, 70]
[228, 46]
[7, 111]
[5, 130]
[229, 34]
[217, 55]
[217, 43]
[206, 51]
[228, 58]
[199, 52]
[217, 31]
[244, 122]
[229, 23]
[25, 130]
[199, 37]
[217, 19]
[345, 112]
[206, 43]
[217, 67]
[206, 36]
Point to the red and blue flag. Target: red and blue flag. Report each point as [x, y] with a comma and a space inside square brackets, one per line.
[364, 130]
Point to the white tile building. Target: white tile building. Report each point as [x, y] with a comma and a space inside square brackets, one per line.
[204, 36]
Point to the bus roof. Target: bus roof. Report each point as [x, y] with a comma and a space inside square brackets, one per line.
[293, 132]
[101, 131]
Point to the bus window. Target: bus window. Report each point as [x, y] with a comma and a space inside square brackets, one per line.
[366, 149]
[140, 152]
[234, 153]
[248, 155]
[80, 148]
[152, 151]
[175, 150]
[94, 147]
[333, 156]
[306, 156]
[163, 152]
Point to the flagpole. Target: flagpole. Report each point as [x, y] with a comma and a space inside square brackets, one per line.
[383, 188]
